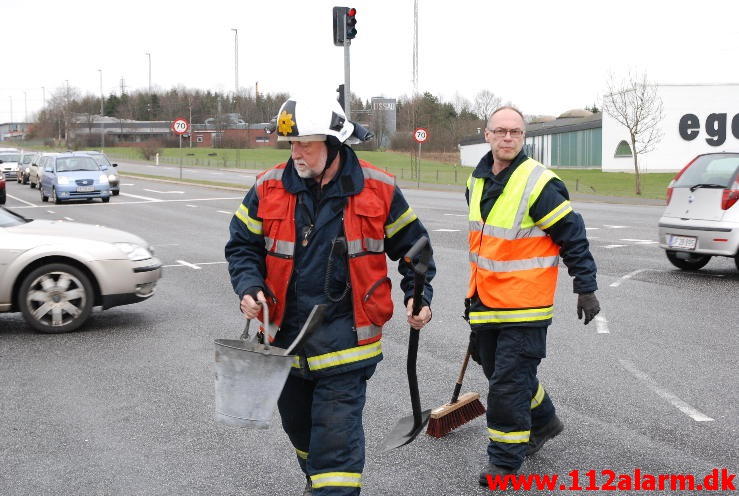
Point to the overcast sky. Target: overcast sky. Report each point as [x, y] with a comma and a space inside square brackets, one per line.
[544, 56]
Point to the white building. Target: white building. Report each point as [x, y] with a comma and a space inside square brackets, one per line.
[698, 118]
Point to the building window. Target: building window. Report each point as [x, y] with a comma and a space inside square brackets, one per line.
[623, 150]
[199, 139]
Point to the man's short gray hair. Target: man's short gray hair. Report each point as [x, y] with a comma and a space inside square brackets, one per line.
[508, 107]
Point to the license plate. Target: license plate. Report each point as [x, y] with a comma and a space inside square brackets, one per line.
[85, 189]
[683, 242]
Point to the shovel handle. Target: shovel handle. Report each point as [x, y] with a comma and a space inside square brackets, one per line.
[419, 282]
[245, 334]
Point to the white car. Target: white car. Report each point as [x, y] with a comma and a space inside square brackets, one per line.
[9, 163]
[55, 272]
[701, 219]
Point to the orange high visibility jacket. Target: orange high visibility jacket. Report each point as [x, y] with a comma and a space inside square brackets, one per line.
[513, 262]
[364, 227]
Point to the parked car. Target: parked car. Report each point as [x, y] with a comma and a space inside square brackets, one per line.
[24, 166]
[2, 189]
[701, 219]
[105, 165]
[73, 177]
[36, 170]
[9, 163]
[55, 272]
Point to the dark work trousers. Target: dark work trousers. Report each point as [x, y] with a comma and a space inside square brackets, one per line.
[323, 419]
[516, 402]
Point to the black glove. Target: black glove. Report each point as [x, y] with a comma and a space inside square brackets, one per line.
[473, 348]
[588, 305]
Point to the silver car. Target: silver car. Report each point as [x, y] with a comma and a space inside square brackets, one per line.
[702, 215]
[55, 272]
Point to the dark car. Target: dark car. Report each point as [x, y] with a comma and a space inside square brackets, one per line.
[2, 188]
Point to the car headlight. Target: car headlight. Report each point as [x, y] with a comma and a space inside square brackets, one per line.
[112, 177]
[103, 179]
[134, 252]
[62, 180]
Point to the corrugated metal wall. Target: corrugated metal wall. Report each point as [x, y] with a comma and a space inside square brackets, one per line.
[577, 149]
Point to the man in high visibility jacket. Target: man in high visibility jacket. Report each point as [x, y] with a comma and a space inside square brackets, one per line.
[316, 230]
[520, 223]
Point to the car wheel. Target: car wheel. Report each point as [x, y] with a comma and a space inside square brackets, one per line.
[116, 193]
[687, 261]
[54, 197]
[44, 198]
[736, 260]
[106, 199]
[56, 298]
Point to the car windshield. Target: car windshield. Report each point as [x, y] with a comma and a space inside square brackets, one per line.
[716, 169]
[10, 157]
[76, 164]
[10, 219]
[27, 159]
[101, 160]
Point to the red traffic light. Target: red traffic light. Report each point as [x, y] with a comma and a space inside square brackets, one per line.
[352, 12]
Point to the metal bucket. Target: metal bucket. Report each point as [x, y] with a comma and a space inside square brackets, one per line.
[249, 376]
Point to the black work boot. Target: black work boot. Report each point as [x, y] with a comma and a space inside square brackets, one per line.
[308, 491]
[544, 434]
[494, 470]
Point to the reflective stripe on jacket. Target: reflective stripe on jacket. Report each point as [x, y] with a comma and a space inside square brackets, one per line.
[364, 219]
[513, 262]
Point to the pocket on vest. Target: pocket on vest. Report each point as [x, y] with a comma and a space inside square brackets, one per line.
[377, 301]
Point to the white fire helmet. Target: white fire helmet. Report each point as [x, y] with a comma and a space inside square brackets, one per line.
[302, 119]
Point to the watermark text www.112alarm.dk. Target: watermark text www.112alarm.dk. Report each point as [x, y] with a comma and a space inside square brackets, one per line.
[608, 480]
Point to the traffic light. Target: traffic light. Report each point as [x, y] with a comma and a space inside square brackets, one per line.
[351, 21]
[339, 25]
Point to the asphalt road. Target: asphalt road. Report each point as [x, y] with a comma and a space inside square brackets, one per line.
[125, 406]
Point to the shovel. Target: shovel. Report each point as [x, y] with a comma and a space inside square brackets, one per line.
[409, 427]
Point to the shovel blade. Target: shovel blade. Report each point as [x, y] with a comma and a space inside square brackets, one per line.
[405, 431]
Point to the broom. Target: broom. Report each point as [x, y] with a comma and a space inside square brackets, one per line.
[457, 412]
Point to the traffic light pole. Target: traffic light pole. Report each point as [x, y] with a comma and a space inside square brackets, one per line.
[347, 91]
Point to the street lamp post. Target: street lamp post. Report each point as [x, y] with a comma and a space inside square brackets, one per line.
[102, 113]
[148, 55]
[236, 60]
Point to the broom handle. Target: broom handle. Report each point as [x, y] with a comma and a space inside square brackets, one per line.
[458, 386]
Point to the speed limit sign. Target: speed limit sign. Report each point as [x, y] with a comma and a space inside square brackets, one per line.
[420, 135]
[180, 126]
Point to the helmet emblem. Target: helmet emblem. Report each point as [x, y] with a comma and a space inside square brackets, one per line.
[285, 123]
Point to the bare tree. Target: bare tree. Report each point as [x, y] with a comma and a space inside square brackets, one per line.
[634, 103]
[485, 103]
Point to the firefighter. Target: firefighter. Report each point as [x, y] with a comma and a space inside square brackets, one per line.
[316, 230]
[520, 223]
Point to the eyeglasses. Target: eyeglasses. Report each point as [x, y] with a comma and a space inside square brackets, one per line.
[500, 132]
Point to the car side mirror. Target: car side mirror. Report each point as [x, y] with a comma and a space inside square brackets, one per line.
[114, 165]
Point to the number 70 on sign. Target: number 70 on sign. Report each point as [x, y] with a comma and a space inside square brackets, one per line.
[420, 135]
[180, 126]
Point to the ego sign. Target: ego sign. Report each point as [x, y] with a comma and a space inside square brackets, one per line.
[690, 125]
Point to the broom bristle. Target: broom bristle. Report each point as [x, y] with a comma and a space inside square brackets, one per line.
[452, 415]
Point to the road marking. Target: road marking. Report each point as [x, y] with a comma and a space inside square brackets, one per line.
[147, 198]
[187, 264]
[456, 215]
[446, 230]
[194, 265]
[608, 247]
[191, 206]
[147, 201]
[212, 263]
[592, 228]
[22, 201]
[614, 227]
[640, 241]
[225, 212]
[627, 276]
[216, 173]
[166, 244]
[69, 219]
[51, 211]
[674, 400]
[593, 237]
[127, 184]
[164, 192]
[601, 324]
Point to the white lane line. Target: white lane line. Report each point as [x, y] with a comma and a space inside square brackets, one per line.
[194, 265]
[51, 211]
[592, 228]
[601, 324]
[127, 184]
[674, 400]
[164, 192]
[147, 201]
[225, 212]
[216, 173]
[456, 215]
[627, 276]
[69, 219]
[446, 230]
[608, 247]
[593, 237]
[640, 241]
[611, 226]
[22, 201]
[212, 263]
[187, 264]
[166, 244]
[191, 206]
[147, 198]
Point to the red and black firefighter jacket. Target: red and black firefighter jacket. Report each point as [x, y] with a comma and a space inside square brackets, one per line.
[305, 246]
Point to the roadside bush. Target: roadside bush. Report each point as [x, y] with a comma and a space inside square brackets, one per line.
[150, 148]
